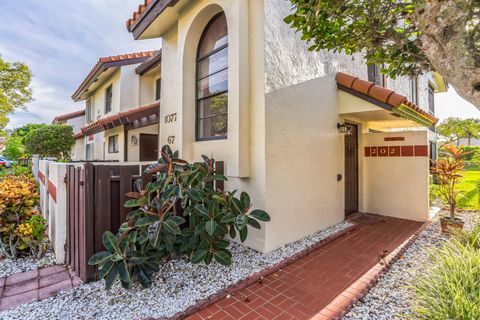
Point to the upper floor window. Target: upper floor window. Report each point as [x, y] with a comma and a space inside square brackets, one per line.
[212, 81]
[414, 89]
[113, 146]
[375, 76]
[431, 99]
[158, 87]
[108, 99]
[89, 111]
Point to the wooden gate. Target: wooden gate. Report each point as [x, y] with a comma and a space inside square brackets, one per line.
[95, 198]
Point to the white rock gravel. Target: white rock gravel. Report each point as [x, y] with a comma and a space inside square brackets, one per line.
[392, 297]
[178, 285]
[11, 266]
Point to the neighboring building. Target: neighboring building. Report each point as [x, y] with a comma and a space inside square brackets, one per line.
[77, 121]
[303, 132]
[121, 94]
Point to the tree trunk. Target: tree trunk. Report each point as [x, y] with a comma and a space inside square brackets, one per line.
[445, 42]
[453, 205]
[469, 137]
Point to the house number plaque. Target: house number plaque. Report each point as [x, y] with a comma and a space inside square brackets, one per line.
[171, 139]
[170, 118]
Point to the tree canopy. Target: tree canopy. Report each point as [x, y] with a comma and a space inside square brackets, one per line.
[407, 37]
[15, 89]
[55, 140]
[15, 148]
[455, 129]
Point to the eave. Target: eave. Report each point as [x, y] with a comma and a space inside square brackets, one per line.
[384, 98]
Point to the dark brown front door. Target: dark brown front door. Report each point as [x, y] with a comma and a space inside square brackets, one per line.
[351, 169]
[148, 147]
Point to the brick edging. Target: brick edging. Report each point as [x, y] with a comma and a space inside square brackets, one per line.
[340, 305]
[255, 277]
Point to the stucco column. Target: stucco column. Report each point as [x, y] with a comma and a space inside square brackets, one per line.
[239, 90]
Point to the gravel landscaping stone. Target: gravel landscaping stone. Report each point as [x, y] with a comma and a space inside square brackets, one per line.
[11, 266]
[392, 297]
[178, 285]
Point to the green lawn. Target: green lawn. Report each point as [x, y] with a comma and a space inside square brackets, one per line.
[468, 198]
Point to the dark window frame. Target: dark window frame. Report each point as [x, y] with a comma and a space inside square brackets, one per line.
[431, 99]
[108, 98]
[88, 110]
[375, 76]
[414, 89]
[197, 80]
[158, 88]
[115, 146]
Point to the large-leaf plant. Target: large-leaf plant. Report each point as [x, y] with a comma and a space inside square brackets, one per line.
[180, 213]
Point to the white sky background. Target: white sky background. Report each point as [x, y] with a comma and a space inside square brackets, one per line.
[450, 104]
[62, 40]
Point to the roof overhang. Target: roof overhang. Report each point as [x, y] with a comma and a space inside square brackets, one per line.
[104, 68]
[396, 104]
[68, 116]
[133, 117]
[145, 22]
[149, 64]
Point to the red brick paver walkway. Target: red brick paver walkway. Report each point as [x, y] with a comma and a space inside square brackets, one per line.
[34, 285]
[303, 288]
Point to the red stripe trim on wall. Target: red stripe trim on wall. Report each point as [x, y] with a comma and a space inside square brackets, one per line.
[397, 151]
[41, 176]
[52, 190]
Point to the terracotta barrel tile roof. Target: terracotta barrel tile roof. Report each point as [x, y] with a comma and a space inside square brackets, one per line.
[120, 118]
[96, 70]
[145, 8]
[138, 13]
[68, 116]
[379, 93]
[150, 63]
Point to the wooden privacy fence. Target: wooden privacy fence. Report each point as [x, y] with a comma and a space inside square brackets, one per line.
[95, 198]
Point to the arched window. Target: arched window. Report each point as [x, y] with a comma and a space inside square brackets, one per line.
[212, 81]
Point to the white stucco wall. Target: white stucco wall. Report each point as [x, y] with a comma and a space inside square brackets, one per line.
[118, 156]
[134, 150]
[57, 220]
[244, 150]
[396, 186]
[148, 86]
[288, 61]
[79, 150]
[77, 123]
[129, 88]
[303, 157]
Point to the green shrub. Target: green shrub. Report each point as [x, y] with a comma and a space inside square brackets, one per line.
[181, 213]
[434, 193]
[472, 165]
[450, 288]
[15, 170]
[473, 153]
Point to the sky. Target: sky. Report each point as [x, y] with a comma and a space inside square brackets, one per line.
[62, 40]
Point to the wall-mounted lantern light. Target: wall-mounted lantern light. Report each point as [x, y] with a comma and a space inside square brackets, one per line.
[343, 128]
[134, 140]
